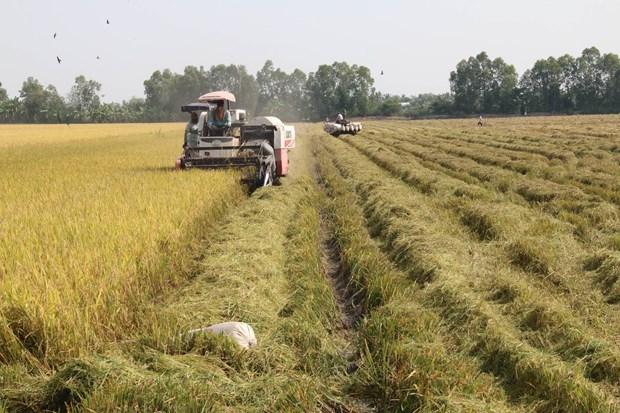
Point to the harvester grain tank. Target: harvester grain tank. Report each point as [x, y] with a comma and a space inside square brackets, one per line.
[262, 142]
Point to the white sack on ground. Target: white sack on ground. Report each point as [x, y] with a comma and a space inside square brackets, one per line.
[241, 333]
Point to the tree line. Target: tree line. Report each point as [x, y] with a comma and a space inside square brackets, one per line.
[37, 103]
[589, 83]
[271, 91]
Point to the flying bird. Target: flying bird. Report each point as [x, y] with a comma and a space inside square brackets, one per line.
[382, 73]
[59, 60]
[54, 35]
[97, 57]
[107, 21]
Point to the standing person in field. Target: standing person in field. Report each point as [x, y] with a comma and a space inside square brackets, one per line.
[339, 118]
[480, 121]
[219, 119]
[191, 131]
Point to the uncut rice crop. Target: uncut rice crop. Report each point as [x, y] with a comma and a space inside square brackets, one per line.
[94, 223]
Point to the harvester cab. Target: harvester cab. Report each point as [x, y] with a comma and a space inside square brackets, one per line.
[262, 142]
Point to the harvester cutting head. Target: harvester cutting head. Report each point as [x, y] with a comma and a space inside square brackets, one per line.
[224, 138]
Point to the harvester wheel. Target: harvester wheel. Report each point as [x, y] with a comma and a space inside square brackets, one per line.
[266, 175]
[268, 179]
[266, 165]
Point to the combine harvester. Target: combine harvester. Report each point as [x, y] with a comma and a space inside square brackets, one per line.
[342, 128]
[262, 142]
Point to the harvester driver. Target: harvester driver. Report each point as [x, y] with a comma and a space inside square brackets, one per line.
[219, 121]
[191, 131]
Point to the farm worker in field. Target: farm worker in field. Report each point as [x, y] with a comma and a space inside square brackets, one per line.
[191, 131]
[219, 119]
[480, 121]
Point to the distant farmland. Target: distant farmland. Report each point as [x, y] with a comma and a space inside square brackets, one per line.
[430, 266]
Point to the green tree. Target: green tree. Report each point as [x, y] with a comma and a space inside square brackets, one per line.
[33, 98]
[568, 67]
[610, 72]
[133, 110]
[296, 98]
[271, 84]
[11, 110]
[35, 104]
[279, 93]
[4, 105]
[466, 83]
[185, 88]
[589, 85]
[320, 89]
[480, 84]
[428, 104]
[235, 79]
[166, 91]
[543, 85]
[390, 106]
[84, 99]
[56, 106]
[269, 81]
[158, 89]
[549, 86]
[362, 89]
[595, 81]
[191, 84]
[339, 88]
[501, 97]
[3, 95]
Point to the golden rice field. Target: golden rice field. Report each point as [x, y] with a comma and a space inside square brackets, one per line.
[94, 223]
[420, 266]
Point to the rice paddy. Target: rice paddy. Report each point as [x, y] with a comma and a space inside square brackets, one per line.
[93, 228]
[420, 266]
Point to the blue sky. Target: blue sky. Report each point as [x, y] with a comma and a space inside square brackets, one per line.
[416, 43]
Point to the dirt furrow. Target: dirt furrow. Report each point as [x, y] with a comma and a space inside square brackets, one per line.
[349, 305]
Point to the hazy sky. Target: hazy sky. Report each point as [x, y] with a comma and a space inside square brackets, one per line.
[416, 43]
